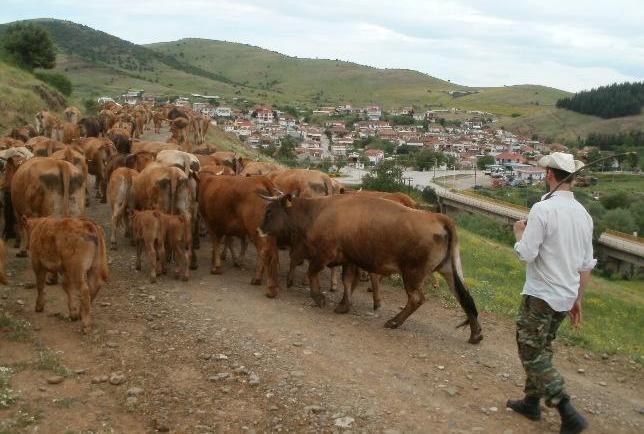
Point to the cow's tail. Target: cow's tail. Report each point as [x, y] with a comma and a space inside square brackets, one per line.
[3, 261]
[66, 175]
[101, 253]
[460, 290]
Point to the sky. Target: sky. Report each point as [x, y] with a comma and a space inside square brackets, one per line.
[567, 44]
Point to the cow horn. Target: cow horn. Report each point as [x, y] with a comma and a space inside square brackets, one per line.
[267, 197]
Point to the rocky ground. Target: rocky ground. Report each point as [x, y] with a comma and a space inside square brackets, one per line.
[214, 354]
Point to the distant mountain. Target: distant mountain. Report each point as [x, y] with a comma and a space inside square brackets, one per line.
[101, 64]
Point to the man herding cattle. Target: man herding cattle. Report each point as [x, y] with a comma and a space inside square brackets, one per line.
[556, 244]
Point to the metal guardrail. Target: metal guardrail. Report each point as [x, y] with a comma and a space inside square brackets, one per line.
[610, 239]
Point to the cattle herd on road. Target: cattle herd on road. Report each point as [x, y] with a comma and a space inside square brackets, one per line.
[165, 196]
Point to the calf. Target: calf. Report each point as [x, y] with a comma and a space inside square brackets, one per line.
[75, 248]
[147, 233]
[178, 241]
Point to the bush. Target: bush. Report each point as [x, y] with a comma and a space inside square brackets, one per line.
[387, 176]
[620, 220]
[637, 211]
[486, 227]
[618, 199]
[429, 195]
[56, 80]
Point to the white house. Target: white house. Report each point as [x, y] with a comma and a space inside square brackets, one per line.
[223, 112]
[530, 173]
[375, 156]
[374, 112]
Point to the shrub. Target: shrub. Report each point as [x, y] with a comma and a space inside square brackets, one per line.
[487, 227]
[620, 220]
[618, 199]
[30, 46]
[56, 80]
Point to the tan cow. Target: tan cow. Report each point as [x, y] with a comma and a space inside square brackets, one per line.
[74, 247]
[43, 187]
[153, 147]
[10, 142]
[308, 183]
[72, 114]
[137, 162]
[178, 241]
[98, 152]
[44, 146]
[252, 168]
[65, 132]
[45, 122]
[121, 198]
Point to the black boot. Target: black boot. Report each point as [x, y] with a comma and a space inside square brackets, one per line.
[571, 421]
[528, 406]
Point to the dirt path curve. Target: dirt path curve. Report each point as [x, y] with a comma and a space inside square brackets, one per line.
[214, 355]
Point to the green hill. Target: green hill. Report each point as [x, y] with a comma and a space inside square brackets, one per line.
[101, 64]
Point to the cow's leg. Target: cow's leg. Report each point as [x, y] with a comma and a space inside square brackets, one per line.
[292, 266]
[216, 257]
[152, 259]
[41, 275]
[183, 254]
[21, 235]
[315, 267]
[260, 245]
[139, 252]
[70, 286]
[270, 258]
[334, 278]
[52, 278]
[118, 216]
[85, 305]
[413, 281]
[375, 288]
[349, 280]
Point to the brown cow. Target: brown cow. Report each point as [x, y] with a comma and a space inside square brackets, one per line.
[345, 230]
[45, 122]
[10, 142]
[65, 132]
[23, 133]
[137, 162]
[74, 247]
[178, 240]
[230, 207]
[121, 195]
[228, 158]
[43, 187]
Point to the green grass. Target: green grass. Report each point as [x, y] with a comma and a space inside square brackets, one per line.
[7, 395]
[49, 360]
[18, 328]
[612, 183]
[613, 310]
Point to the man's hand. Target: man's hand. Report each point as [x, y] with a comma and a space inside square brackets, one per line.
[518, 229]
[575, 314]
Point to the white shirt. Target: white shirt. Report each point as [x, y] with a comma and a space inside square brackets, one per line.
[557, 246]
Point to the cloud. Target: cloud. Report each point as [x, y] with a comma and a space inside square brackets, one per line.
[571, 45]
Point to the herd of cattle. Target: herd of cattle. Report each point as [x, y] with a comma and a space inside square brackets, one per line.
[164, 197]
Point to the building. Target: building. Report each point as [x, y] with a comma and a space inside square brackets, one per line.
[223, 112]
[263, 115]
[374, 112]
[375, 156]
[509, 158]
[530, 173]
[133, 96]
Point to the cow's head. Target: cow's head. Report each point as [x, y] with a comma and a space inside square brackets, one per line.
[276, 216]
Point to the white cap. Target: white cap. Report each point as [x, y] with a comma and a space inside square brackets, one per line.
[561, 161]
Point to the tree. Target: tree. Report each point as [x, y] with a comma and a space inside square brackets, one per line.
[484, 161]
[30, 46]
[387, 176]
[620, 199]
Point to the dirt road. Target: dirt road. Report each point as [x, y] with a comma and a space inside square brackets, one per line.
[214, 355]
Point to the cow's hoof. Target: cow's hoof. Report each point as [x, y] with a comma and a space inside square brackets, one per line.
[255, 281]
[319, 301]
[333, 289]
[74, 316]
[370, 289]
[87, 330]
[40, 308]
[475, 338]
[153, 280]
[113, 246]
[103, 200]
[342, 308]
[376, 306]
[193, 266]
[21, 254]
[272, 292]
[392, 324]
[216, 270]
[184, 278]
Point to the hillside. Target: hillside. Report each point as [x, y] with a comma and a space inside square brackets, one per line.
[334, 82]
[101, 64]
[22, 95]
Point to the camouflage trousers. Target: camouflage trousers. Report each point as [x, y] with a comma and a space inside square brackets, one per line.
[537, 325]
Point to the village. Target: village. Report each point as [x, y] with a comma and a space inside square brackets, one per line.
[362, 137]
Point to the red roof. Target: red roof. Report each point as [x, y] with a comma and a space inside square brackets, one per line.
[507, 155]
